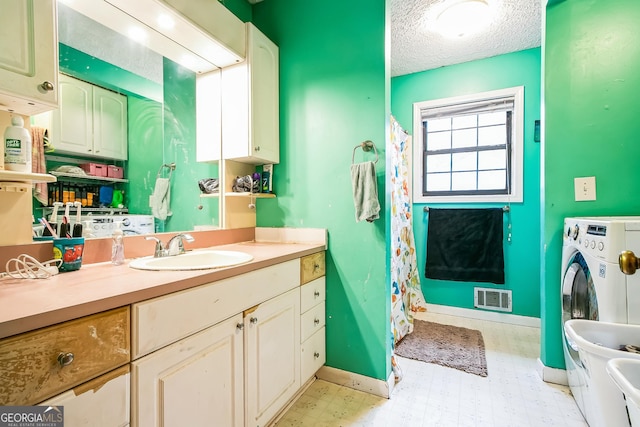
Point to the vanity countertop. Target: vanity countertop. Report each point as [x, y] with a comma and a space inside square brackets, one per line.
[27, 304]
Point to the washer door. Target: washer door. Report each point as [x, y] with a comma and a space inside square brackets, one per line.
[579, 299]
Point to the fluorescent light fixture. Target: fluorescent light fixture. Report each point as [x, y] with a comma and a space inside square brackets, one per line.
[459, 18]
[137, 34]
[165, 21]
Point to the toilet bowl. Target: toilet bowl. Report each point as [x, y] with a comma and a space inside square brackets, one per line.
[596, 344]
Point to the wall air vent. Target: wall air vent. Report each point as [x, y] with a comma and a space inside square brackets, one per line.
[492, 299]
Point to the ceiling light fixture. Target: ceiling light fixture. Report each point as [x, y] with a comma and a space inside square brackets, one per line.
[459, 18]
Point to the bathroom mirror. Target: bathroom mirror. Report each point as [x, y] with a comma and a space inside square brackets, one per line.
[161, 100]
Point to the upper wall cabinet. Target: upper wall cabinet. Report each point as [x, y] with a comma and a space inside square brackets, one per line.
[28, 56]
[250, 104]
[91, 121]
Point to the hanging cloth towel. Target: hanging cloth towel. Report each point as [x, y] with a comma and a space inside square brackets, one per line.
[38, 162]
[365, 191]
[160, 200]
[465, 245]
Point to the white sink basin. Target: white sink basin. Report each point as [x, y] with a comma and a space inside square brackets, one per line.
[626, 374]
[196, 260]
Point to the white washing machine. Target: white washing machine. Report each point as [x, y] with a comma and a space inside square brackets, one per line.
[594, 288]
[104, 225]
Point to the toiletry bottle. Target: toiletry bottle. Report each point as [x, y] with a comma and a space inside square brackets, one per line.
[17, 146]
[117, 248]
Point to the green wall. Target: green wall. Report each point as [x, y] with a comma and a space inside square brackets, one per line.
[522, 258]
[592, 59]
[180, 148]
[334, 95]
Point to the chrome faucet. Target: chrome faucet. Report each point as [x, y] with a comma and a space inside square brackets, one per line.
[175, 245]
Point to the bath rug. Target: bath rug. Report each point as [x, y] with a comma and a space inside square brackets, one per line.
[446, 345]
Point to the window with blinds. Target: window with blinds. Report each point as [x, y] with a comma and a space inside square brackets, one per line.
[469, 148]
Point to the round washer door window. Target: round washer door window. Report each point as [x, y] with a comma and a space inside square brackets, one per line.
[579, 299]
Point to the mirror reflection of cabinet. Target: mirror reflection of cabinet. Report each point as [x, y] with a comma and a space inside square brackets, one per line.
[29, 58]
[91, 121]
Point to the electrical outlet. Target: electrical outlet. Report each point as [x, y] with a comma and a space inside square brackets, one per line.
[585, 188]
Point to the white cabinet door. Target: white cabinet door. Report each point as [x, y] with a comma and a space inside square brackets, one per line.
[72, 127]
[102, 402]
[250, 104]
[272, 356]
[91, 121]
[109, 124]
[28, 56]
[196, 381]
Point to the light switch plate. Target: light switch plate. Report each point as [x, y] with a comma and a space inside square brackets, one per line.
[585, 188]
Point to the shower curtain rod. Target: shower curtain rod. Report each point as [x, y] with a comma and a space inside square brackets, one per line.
[504, 209]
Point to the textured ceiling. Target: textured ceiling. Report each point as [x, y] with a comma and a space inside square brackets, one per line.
[516, 25]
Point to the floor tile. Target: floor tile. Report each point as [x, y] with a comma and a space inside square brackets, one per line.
[431, 395]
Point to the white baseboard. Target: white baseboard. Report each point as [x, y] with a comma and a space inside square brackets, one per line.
[492, 316]
[358, 382]
[551, 375]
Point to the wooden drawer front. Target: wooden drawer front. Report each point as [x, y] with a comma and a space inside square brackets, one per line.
[29, 367]
[161, 321]
[102, 402]
[313, 355]
[311, 267]
[312, 321]
[312, 294]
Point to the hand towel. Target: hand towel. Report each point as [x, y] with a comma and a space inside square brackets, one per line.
[365, 191]
[39, 163]
[160, 200]
[465, 245]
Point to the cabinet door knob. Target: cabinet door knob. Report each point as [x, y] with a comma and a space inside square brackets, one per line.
[316, 321]
[240, 326]
[316, 266]
[316, 294]
[46, 86]
[65, 359]
[254, 320]
[316, 355]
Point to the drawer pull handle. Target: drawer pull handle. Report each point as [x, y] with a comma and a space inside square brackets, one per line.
[46, 86]
[316, 321]
[316, 294]
[254, 320]
[240, 326]
[316, 266]
[316, 355]
[65, 359]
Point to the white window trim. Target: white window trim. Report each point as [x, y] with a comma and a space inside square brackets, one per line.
[517, 177]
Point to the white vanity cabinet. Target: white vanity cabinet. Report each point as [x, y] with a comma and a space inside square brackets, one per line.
[91, 121]
[103, 402]
[200, 359]
[196, 381]
[250, 103]
[29, 57]
[313, 314]
[272, 357]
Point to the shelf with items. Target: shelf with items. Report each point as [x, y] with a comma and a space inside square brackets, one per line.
[13, 176]
[254, 195]
[75, 177]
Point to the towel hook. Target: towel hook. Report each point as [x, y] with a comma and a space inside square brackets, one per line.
[366, 146]
[170, 166]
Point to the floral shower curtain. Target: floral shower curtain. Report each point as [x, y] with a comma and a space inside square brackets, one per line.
[406, 294]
